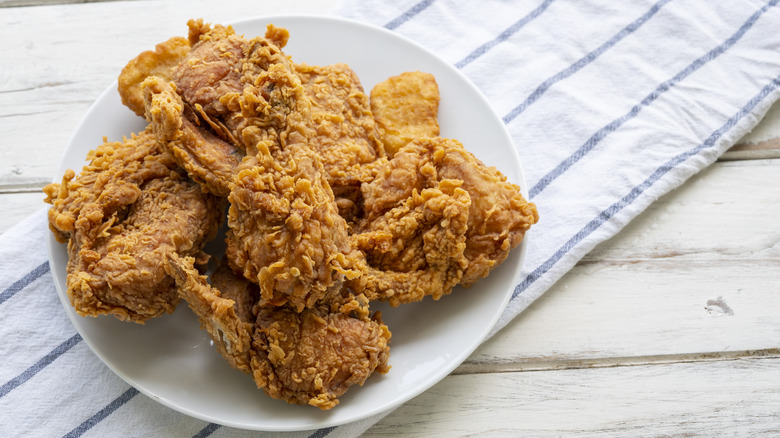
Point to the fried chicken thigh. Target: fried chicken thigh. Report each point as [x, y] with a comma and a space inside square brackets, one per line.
[435, 217]
[311, 357]
[129, 207]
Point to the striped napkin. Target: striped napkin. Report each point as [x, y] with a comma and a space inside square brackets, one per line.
[610, 104]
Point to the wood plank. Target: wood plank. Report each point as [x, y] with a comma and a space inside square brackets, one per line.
[696, 273]
[691, 399]
[17, 207]
[641, 313]
[728, 209]
[759, 150]
[28, 3]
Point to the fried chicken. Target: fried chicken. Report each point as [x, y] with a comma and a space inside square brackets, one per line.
[208, 158]
[159, 63]
[499, 215]
[111, 179]
[406, 107]
[129, 207]
[435, 217]
[225, 310]
[311, 357]
[285, 232]
[346, 137]
[335, 200]
[416, 248]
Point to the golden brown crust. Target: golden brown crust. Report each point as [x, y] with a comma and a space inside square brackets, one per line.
[406, 107]
[127, 209]
[158, 62]
[435, 217]
[313, 357]
[230, 329]
[209, 159]
[345, 132]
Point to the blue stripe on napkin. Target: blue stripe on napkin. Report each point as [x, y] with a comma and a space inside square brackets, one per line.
[40, 365]
[24, 281]
[607, 214]
[90, 422]
[650, 98]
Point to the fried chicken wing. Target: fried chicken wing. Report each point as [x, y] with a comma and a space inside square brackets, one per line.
[406, 107]
[225, 312]
[159, 62]
[128, 208]
[312, 357]
[436, 217]
[345, 136]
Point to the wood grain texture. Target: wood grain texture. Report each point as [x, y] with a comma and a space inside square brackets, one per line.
[51, 76]
[28, 3]
[668, 400]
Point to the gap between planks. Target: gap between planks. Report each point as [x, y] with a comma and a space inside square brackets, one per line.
[556, 364]
[753, 151]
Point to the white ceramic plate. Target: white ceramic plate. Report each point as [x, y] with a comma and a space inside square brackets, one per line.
[172, 361]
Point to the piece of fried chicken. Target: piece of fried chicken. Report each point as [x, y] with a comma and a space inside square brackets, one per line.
[406, 107]
[436, 217]
[345, 132]
[128, 208]
[285, 233]
[312, 357]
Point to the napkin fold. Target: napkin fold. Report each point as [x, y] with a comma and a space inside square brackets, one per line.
[610, 105]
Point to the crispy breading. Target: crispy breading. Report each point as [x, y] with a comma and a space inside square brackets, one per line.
[311, 357]
[128, 208]
[406, 107]
[208, 158]
[158, 62]
[345, 132]
[435, 217]
[285, 232]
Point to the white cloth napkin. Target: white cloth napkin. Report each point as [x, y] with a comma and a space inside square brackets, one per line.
[610, 104]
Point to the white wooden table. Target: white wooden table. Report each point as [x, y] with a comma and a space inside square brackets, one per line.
[670, 328]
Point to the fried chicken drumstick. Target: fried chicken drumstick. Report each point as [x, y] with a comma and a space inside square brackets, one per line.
[310, 357]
